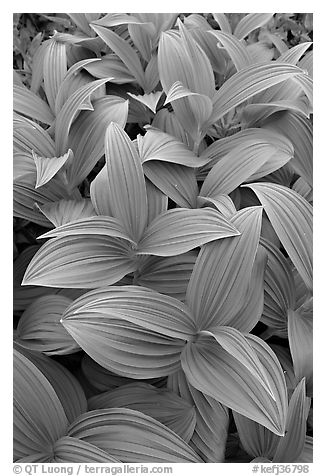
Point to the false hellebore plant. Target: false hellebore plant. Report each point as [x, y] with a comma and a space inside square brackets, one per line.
[193, 233]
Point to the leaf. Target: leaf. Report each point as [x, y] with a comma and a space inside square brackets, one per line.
[71, 81]
[150, 100]
[223, 204]
[132, 437]
[292, 444]
[156, 200]
[48, 167]
[167, 275]
[215, 372]
[257, 441]
[161, 404]
[29, 104]
[99, 192]
[83, 261]
[300, 333]
[39, 327]
[87, 133]
[291, 218]
[157, 145]
[79, 100]
[54, 70]
[28, 136]
[234, 342]
[168, 122]
[132, 331]
[279, 288]
[298, 130]
[110, 66]
[220, 278]
[39, 418]
[65, 385]
[140, 306]
[125, 52]
[65, 211]
[177, 182]
[293, 55]
[73, 450]
[251, 22]
[242, 163]
[237, 51]
[192, 109]
[212, 419]
[99, 226]
[223, 22]
[246, 83]
[25, 197]
[253, 304]
[180, 230]
[127, 189]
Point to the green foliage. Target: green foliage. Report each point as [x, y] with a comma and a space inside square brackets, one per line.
[162, 237]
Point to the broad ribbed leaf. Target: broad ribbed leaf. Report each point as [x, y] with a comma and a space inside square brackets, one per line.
[293, 55]
[279, 288]
[54, 70]
[157, 145]
[177, 182]
[292, 444]
[48, 167]
[180, 58]
[102, 379]
[238, 347]
[150, 100]
[257, 441]
[307, 453]
[251, 22]
[212, 420]
[125, 52]
[129, 330]
[250, 81]
[278, 150]
[86, 137]
[168, 122]
[64, 383]
[99, 192]
[161, 404]
[84, 261]
[300, 332]
[222, 272]
[73, 80]
[29, 104]
[223, 22]
[180, 230]
[192, 109]
[223, 203]
[110, 66]
[298, 130]
[102, 226]
[39, 418]
[137, 305]
[291, 217]
[73, 450]
[79, 100]
[127, 189]
[151, 72]
[215, 372]
[132, 437]
[25, 196]
[65, 211]
[167, 275]
[242, 163]
[238, 52]
[28, 136]
[39, 327]
[306, 63]
[253, 304]
[157, 201]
